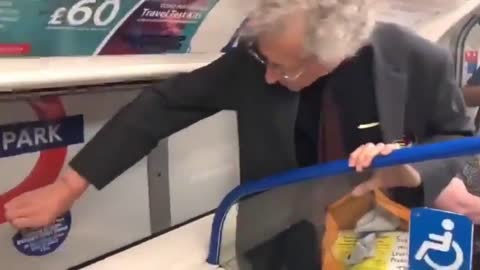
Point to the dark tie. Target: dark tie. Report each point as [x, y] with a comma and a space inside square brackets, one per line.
[330, 146]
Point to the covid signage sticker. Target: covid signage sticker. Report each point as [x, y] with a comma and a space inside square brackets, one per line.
[40, 242]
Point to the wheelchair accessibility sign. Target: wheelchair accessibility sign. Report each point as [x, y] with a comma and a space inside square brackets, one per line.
[440, 240]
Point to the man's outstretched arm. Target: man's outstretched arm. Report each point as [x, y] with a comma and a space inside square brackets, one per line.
[132, 133]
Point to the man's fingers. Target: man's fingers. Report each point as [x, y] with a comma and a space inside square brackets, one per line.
[31, 222]
[13, 213]
[22, 223]
[366, 149]
[389, 148]
[19, 206]
[363, 156]
[369, 155]
[19, 202]
[354, 156]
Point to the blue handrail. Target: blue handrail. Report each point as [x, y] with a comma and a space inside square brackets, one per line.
[443, 150]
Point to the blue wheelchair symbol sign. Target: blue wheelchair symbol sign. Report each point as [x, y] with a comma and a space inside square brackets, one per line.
[440, 240]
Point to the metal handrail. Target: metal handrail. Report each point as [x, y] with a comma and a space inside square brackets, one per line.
[443, 150]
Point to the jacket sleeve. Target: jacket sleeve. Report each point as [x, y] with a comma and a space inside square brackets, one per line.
[448, 120]
[159, 111]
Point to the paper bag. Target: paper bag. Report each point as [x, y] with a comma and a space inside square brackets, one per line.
[344, 214]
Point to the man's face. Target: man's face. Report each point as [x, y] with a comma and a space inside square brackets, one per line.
[284, 58]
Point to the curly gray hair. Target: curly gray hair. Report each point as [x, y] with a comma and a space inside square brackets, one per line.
[336, 29]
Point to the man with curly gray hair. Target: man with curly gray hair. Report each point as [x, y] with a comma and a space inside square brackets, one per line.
[311, 81]
[331, 32]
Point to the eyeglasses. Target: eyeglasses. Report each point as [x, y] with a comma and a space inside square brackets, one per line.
[287, 75]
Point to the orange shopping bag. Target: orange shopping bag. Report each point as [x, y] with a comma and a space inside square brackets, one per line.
[343, 216]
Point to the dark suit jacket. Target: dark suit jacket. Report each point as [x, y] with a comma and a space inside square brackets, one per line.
[415, 88]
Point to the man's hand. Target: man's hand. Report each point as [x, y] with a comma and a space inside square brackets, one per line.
[398, 176]
[43, 206]
[456, 198]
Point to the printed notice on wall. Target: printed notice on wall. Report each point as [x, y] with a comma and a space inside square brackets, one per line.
[391, 251]
[95, 27]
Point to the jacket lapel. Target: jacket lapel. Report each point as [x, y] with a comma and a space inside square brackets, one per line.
[390, 88]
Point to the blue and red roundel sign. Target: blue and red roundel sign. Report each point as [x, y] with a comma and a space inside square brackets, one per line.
[50, 136]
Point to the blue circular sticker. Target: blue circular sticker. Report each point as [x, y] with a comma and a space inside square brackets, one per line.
[40, 242]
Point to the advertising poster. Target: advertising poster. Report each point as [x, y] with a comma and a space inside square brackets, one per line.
[99, 27]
